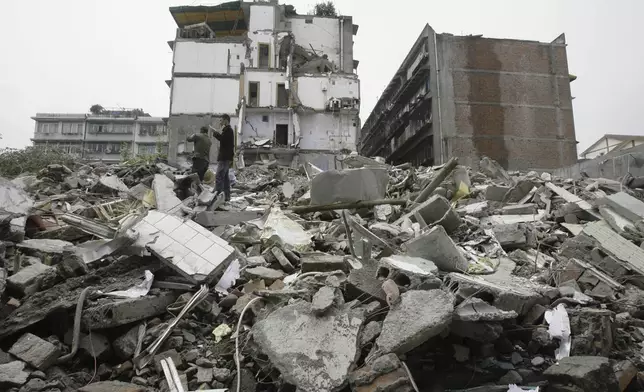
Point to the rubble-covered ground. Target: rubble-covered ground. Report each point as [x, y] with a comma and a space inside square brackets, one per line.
[367, 278]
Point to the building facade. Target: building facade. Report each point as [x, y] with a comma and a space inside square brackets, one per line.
[101, 136]
[470, 96]
[287, 81]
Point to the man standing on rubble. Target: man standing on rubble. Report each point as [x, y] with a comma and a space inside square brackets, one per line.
[201, 155]
[226, 139]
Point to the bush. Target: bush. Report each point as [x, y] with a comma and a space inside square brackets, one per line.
[14, 162]
[325, 8]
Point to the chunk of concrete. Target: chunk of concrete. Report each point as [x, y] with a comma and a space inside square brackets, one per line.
[323, 300]
[173, 354]
[435, 245]
[519, 209]
[584, 372]
[496, 193]
[109, 184]
[322, 262]
[518, 192]
[35, 351]
[481, 332]
[407, 271]
[125, 345]
[112, 386]
[44, 247]
[475, 309]
[334, 186]
[313, 353]
[166, 200]
[370, 332]
[282, 260]
[626, 206]
[511, 236]
[418, 316]
[509, 292]
[625, 372]
[109, 313]
[269, 275]
[592, 331]
[363, 283]
[437, 210]
[383, 374]
[28, 280]
[225, 218]
[12, 374]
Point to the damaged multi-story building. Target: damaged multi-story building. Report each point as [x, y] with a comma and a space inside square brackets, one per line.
[107, 136]
[287, 81]
[470, 96]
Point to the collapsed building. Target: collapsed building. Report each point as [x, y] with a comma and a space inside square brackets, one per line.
[471, 96]
[287, 81]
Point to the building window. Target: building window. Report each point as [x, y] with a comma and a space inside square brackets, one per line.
[281, 134]
[264, 118]
[72, 128]
[48, 128]
[253, 94]
[308, 21]
[152, 130]
[282, 96]
[264, 56]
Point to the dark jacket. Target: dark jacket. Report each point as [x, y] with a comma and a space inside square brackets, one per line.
[226, 144]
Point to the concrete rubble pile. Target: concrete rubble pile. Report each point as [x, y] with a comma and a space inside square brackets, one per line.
[369, 277]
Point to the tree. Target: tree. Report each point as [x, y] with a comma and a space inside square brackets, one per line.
[325, 8]
[96, 109]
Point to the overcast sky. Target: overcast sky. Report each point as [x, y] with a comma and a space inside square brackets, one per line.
[65, 55]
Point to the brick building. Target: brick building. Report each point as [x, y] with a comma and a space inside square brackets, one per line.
[470, 96]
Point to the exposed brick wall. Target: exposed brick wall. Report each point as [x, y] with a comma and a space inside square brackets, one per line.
[512, 102]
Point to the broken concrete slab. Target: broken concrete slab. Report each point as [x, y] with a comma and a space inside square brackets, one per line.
[418, 316]
[269, 275]
[511, 236]
[35, 351]
[323, 300]
[584, 372]
[592, 331]
[166, 199]
[518, 192]
[616, 245]
[531, 257]
[225, 218]
[14, 199]
[44, 247]
[482, 332]
[112, 386]
[370, 332]
[125, 345]
[335, 186]
[186, 246]
[437, 246]
[436, 210]
[519, 209]
[109, 184]
[512, 219]
[475, 309]
[570, 198]
[407, 271]
[616, 221]
[626, 205]
[109, 313]
[313, 353]
[12, 374]
[322, 262]
[496, 193]
[363, 283]
[282, 260]
[509, 292]
[383, 374]
[476, 210]
[28, 280]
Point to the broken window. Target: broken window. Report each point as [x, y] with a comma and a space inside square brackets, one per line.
[253, 94]
[281, 134]
[282, 96]
[264, 56]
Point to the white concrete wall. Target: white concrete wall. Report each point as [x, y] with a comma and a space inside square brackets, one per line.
[268, 82]
[204, 95]
[604, 146]
[323, 35]
[262, 17]
[208, 57]
[255, 127]
[325, 131]
[311, 89]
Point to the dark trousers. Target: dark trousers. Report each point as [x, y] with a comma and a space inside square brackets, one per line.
[200, 166]
[222, 179]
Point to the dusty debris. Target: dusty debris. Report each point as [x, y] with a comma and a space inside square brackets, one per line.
[321, 280]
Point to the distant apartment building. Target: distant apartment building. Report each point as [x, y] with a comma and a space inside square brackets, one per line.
[470, 96]
[101, 136]
[285, 79]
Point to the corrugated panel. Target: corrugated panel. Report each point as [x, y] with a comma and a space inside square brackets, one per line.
[616, 245]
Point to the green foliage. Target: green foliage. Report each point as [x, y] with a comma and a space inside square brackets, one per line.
[14, 162]
[126, 151]
[325, 8]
